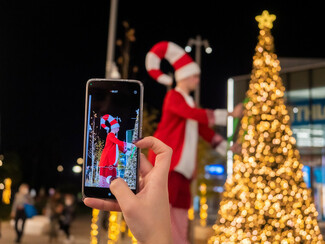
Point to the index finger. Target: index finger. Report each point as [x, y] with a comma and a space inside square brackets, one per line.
[162, 151]
[101, 204]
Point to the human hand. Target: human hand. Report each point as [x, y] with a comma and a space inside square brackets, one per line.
[238, 111]
[211, 119]
[146, 213]
[236, 148]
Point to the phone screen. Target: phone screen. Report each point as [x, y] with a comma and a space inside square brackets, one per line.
[112, 123]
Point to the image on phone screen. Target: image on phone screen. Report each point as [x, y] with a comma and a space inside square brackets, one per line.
[113, 123]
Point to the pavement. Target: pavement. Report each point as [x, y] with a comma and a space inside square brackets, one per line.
[80, 230]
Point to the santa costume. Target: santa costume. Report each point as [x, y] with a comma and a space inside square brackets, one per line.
[180, 126]
[109, 158]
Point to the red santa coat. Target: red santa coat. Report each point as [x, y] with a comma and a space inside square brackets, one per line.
[110, 154]
[180, 125]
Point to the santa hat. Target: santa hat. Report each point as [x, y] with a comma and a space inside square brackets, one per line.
[182, 63]
[112, 121]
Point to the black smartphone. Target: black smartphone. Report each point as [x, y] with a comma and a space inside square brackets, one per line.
[113, 120]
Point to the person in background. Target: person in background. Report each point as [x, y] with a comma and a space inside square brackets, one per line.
[67, 216]
[181, 124]
[21, 198]
[54, 209]
[40, 201]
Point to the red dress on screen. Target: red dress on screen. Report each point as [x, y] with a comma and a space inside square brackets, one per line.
[109, 158]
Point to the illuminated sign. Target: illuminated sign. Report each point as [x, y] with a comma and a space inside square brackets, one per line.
[215, 169]
[302, 112]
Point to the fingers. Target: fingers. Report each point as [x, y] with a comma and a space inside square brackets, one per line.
[145, 165]
[163, 152]
[123, 194]
[106, 205]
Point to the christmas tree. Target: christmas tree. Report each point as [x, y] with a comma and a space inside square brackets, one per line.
[266, 199]
[131, 166]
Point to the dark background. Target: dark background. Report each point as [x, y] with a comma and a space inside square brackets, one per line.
[49, 49]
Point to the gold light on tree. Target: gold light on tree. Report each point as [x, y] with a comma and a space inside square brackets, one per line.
[266, 199]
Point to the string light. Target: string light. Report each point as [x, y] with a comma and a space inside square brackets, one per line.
[133, 240]
[203, 205]
[114, 227]
[94, 227]
[190, 213]
[266, 200]
[6, 194]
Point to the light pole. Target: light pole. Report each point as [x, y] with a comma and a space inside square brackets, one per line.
[111, 69]
[198, 43]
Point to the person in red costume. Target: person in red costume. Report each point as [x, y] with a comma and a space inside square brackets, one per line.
[180, 126]
[109, 158]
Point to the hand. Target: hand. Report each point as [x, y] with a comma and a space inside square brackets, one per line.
[236, 148]
[146, 213]
[216, 140]
[238, 111]
[211, 119]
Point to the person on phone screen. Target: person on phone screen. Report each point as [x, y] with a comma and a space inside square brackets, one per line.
[180, 126]
[110, 155]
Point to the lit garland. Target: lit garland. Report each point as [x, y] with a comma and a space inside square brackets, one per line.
[203, 205]
[266, 200]
[190, 213]
[6, 194]
[94, 227]
[114, 227]
[133, 240]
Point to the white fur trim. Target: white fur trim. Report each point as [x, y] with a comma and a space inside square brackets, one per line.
[187, 70]
[187, 162]
[116, 155]
[222, 148]
[220, 117]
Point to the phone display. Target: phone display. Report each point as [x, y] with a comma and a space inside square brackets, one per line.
[113, 119]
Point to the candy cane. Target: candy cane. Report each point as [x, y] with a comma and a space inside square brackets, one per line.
[112, 121]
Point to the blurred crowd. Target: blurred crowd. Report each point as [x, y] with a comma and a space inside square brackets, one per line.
[59, 208]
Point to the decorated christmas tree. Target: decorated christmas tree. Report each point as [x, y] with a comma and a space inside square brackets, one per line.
[266, 199]
[131, 166]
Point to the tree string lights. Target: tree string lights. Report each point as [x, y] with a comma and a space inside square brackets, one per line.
[94, 227]
[266, 199]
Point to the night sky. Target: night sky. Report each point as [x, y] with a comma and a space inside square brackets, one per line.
[49, 49]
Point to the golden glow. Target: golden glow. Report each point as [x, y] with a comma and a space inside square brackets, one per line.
[203, 205]
[133, 240]
[114, 226]
[94, 227]
[190, 213]
[266, 199]
[265, 20]
[6, 194]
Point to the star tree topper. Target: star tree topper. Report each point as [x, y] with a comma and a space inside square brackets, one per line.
[265, 20]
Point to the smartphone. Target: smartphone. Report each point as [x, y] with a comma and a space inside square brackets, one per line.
[113, 120]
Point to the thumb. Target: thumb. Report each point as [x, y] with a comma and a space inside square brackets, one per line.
[122, 192]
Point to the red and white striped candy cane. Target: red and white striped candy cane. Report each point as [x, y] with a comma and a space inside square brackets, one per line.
[112, 121]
